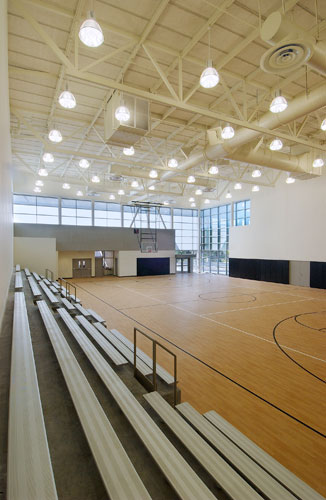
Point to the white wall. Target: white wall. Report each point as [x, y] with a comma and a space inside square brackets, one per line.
[37, 254]
[127, 261]
[287, 222]
[5, 166]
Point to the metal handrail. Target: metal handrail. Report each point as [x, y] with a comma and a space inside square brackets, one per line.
[50, 272]
[155, 343]
[67, 286]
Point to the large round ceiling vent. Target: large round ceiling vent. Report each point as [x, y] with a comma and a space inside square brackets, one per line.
[285, 57]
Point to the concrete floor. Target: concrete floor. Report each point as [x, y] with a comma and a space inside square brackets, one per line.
[75, 471]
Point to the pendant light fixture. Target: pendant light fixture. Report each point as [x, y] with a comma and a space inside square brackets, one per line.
[90, 32]
[276, 145]
[207, 201]
[173, 163]
[191, 199]
[48, 158]
[289, 179]
[83, 163]
[122, 113]
[95, 179]
[135, 184]
[323, 124]
[238, 185]
[228, 195]
[129, 151]
[152, 187]
[255, 173]
[209, 77]
[191, 179]
[227, 132]
[165, 202]
[193, 205]
[39, 183]
[67, 99]
[213, 170]
[318, 162]
[121, 192]
[65, 185]
[153, 174]
[255, 189]
[278, 104]
[37, 189]
[43, 172]
[55, 135]
[80, 193]
[111, 197]
[198, 192]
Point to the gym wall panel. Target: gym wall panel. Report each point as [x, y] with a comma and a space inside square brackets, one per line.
[276, 271]
[153, 267]
[318, 274]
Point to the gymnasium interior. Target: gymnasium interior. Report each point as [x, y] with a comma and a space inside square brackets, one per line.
[163, 249]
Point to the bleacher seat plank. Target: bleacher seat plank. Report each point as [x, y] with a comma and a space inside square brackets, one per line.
[46, 281]
[67, 295]
[161, 372]
[27, 272]
[53, 289]
[54, 283]
[225, 476]
[82, 310]
[36, 276]
[118, 473]
[272, 466]
[96, 317]
[18, 281]
[30, 474]
[265, 483]
[69, 306]
[52, 298]
[142, 367]
[176, 470]
[113, 354]
[37, 294]
[17, 267]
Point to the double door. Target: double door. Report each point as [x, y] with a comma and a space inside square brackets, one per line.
[81, 268]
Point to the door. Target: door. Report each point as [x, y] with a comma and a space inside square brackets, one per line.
[99, 270]
[81, 268]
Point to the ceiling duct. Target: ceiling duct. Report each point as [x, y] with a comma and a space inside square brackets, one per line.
[291, 47]
[126, 133]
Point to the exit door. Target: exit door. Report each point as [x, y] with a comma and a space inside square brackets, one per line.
[81, 268]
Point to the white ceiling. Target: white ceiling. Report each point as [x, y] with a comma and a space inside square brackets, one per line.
[45, 52]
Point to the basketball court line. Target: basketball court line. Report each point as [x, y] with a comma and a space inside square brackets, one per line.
[256, 307]
[232, 327]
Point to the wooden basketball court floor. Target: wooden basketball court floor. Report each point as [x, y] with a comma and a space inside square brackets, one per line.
[253, 351]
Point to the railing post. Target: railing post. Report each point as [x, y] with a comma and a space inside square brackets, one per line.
[135, 350]
[154, 365]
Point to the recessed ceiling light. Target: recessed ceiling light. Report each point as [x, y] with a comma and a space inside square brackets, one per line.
[255, 173]
[191, 199]
[95, 178]
[255, 189]
[191, 179]
[276, 145]
[65, 185]
[135, 184]
[213, 170]
[90, 32]
[80, 193]
[39, 183]
[48, 158]
[111, 197]
[198, 192]
[278, 104]
[37, 189]
[228, 195]
[55, 135]
[152, 187]
[227, 132]
[173, 163]
[318, 162]
[153, 174]
[121, 192]
[237, 185]
[83, 163]
[206, 201]
[129, 151]
[67, 100]
[122, 113]
[43, 172]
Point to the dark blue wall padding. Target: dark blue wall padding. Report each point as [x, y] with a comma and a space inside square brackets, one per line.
[318, 274]
[276, 271]
[153, 266]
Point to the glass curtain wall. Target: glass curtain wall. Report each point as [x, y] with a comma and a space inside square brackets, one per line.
[185, 223]
[107, 214]
[147, 217]
[76, 212]
[214, 243]
[36, 209]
